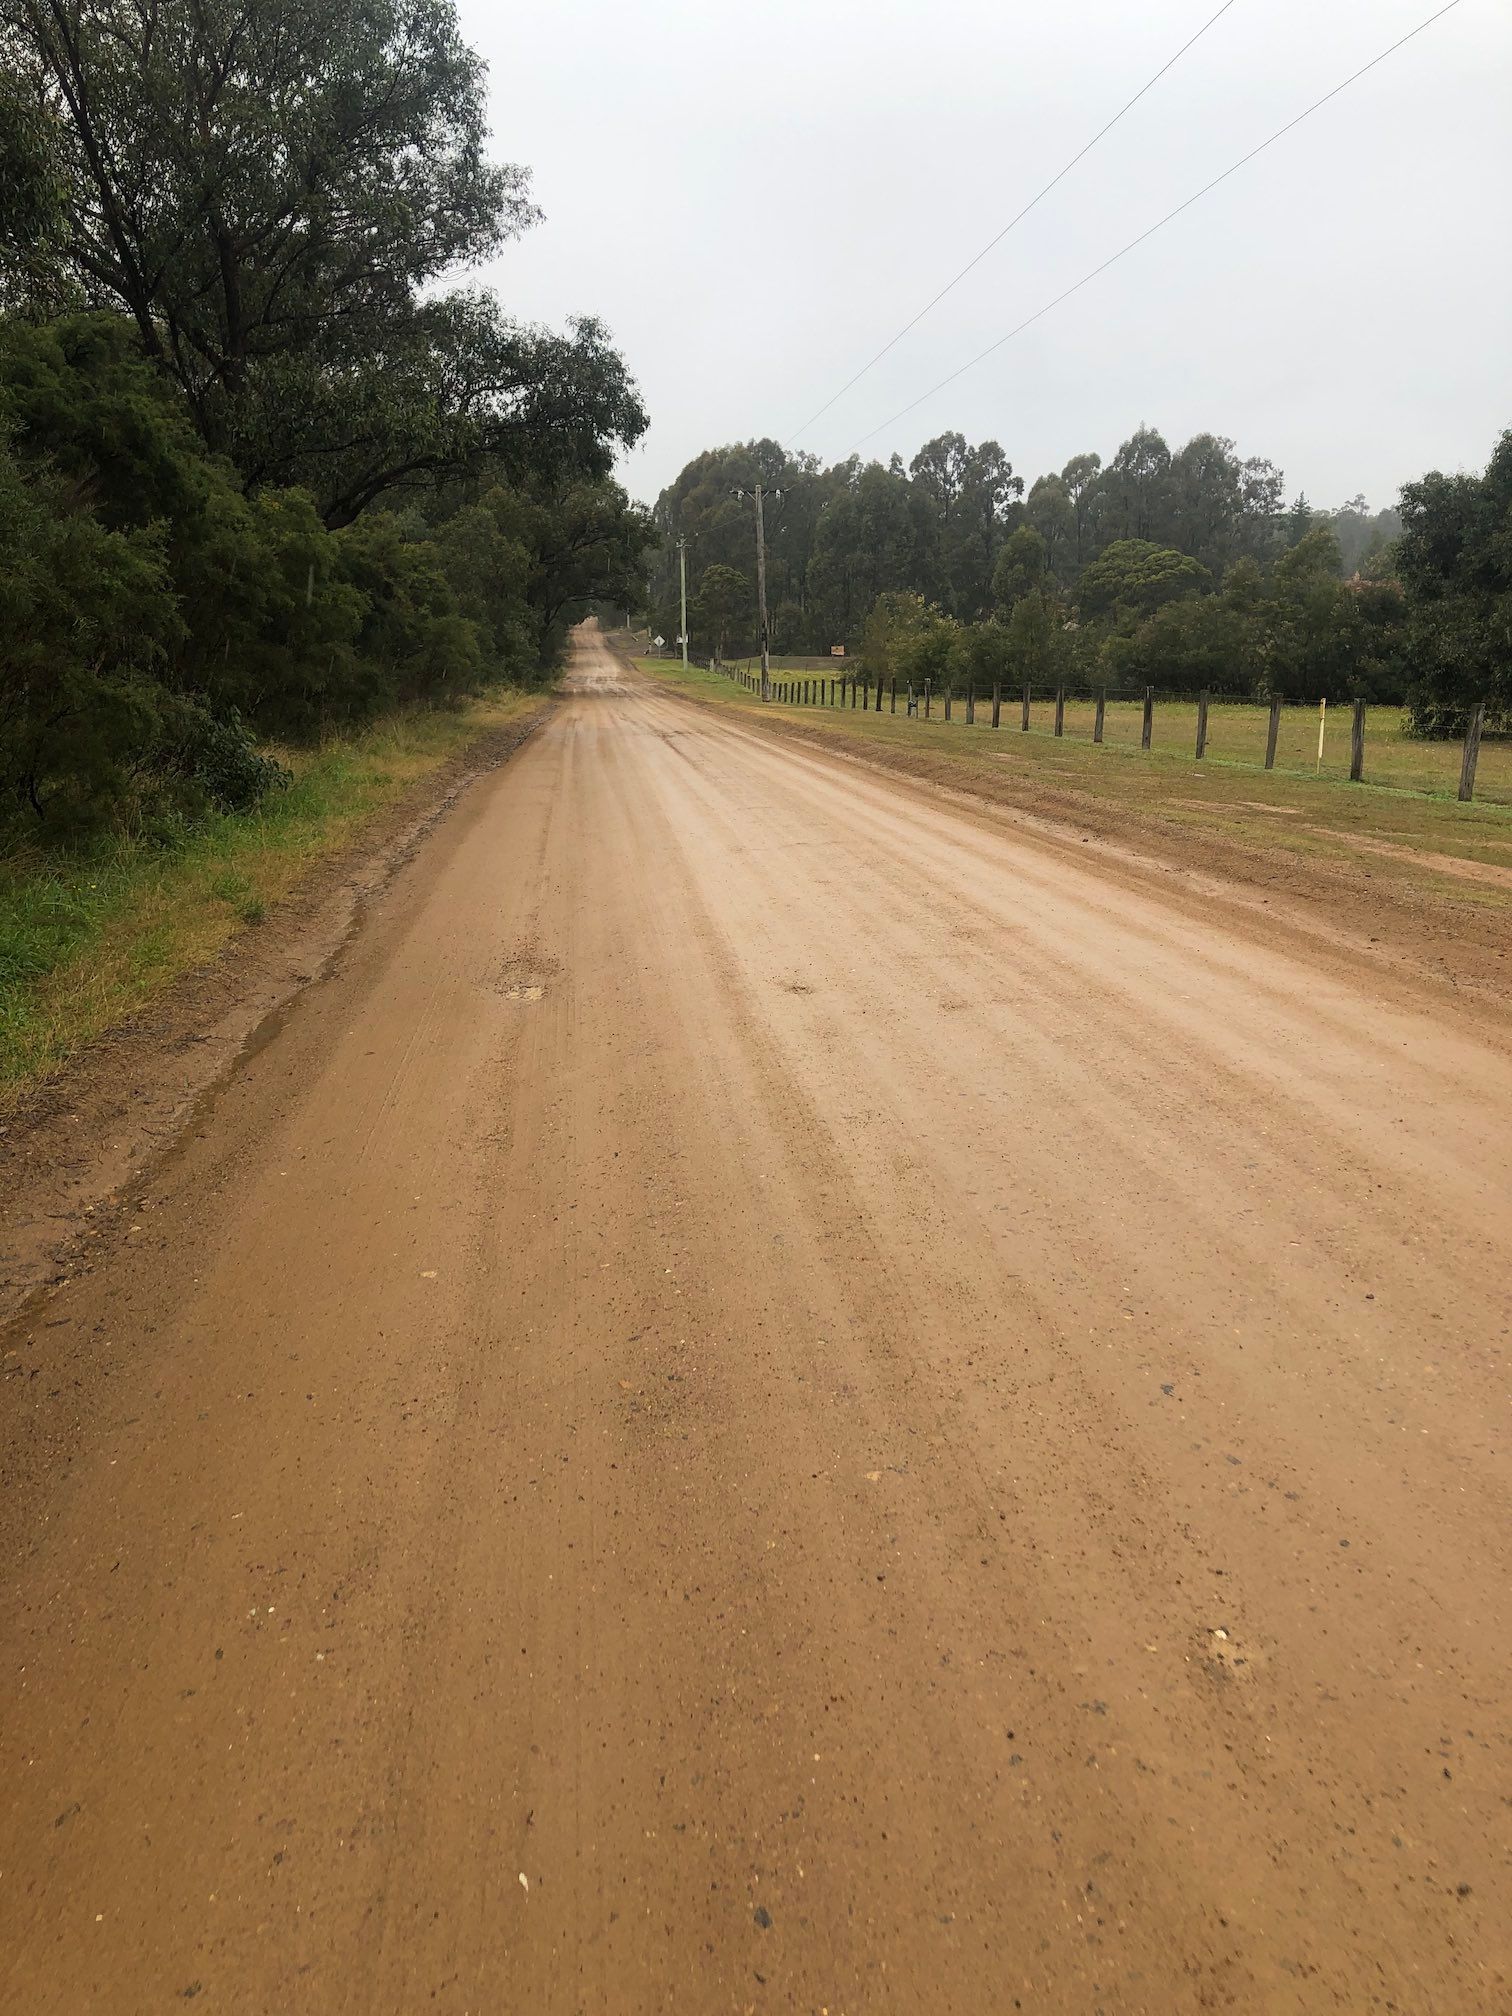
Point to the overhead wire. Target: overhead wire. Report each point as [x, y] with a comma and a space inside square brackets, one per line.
[933, 303]
[1170, 217]
[1158, 226]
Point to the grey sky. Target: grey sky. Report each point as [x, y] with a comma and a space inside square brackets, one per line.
[755, 200]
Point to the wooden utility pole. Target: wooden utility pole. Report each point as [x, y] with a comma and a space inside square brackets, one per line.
[761, 608]
[682, 583]
[761, 613]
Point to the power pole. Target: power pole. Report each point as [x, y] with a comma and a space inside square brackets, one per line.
[761, 608]
[766, 659]
[682, 581]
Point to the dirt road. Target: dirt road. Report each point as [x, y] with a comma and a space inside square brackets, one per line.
[779, 1396]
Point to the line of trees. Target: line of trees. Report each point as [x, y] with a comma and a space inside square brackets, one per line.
[1181, 568]
[263, 471]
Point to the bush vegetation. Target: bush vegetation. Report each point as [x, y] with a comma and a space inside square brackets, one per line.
[262, 477]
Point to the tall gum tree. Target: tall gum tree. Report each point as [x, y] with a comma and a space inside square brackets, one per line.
[272, 190]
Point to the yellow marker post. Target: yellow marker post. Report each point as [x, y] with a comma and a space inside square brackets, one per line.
[1322, 724]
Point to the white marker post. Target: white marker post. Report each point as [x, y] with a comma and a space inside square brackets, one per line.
[1322, 724]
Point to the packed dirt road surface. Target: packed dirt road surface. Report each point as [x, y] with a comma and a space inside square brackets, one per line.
[779, 1394]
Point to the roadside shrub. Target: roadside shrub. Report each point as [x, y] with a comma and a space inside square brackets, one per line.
[295, 671]
[86, 622]
[220, 763]
[411, 627]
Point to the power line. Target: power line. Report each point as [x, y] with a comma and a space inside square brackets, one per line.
[1169, 217]
[1148, 85]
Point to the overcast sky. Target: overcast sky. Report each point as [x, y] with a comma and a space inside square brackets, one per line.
[755, 199]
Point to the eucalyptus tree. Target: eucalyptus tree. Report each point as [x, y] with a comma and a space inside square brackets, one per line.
[273, 193]
[1455, 563]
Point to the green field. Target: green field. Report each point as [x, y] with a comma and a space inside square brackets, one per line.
[1236, 736]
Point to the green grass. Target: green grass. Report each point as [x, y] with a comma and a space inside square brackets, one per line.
[1406, 806]
[88, 938]
[1237, 734]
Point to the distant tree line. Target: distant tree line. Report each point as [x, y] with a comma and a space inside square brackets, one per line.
[262, 473]
[1181, 568]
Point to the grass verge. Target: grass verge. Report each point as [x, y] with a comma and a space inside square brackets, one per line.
[88, 938]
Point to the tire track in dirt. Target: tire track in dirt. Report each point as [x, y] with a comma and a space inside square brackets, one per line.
[774, 1396]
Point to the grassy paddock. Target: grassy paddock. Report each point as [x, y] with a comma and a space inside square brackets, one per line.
[1236, 735]
[1237, 732]
[88, 938]
[1406, 805]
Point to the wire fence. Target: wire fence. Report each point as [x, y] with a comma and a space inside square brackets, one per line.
[1341, 742]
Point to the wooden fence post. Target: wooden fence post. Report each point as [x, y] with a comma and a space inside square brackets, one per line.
[1024, 724]
[1097, 721]
[1202, 700]
[1148, 725]
[910, 705]
[997, 701]
[1472, 752]
[853, 696]
[1357, 744]
[892, 696]
[926, 699]
[948, 697]
[1273, 729]
[971, 703]
[1060, 710]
